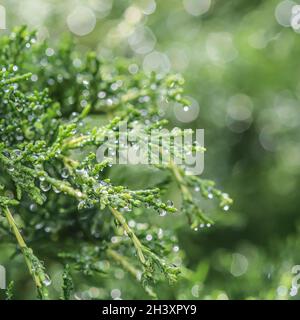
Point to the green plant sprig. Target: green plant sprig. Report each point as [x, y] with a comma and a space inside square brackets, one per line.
[50, 179]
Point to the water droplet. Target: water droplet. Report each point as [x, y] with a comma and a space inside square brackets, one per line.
[56, 190]
[49, 52]
[33, 207]
[160, 233]
[170, 203]
[109, 102]
[175, 248]
[132, 223]
[17, 152]
[47, 281]
[34, 78]
[6, 154]
[48, 229]
[82, 172]
[19, 138]
[45, 186]
[149, 237]
[115, 294]
[163, 213]
[114, 86]
[39, 226]
[101, 94]
[64, 173]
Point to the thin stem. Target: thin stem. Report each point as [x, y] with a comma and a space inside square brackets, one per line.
[16, 79]
[123, 262]
[182, 185]
[22, 246]
[118, 216]
[186, 192]
[136, 242]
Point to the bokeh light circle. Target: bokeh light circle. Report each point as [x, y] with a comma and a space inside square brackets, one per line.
[283, 12]
[81, 21]
[220, 48]
[187, 113]
[156, 62]
[142, 40]
[196, 7]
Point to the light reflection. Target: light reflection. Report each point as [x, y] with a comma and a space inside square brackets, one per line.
[157, 62]
[133, 15]
[240, 107]
[115, 294]
[266, 139]
[148, 6]
[283, 12]
[81, 21]
[142, 40]
[102, 8]
[27, 8]
[239, 265]
[187, 113]
[220, 48]
[196, 7]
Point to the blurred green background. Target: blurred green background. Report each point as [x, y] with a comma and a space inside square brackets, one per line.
[241, 63]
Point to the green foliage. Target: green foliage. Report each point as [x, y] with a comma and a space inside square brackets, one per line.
[52, 187]
[241, 65]
[68, 286]
[9, 291]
